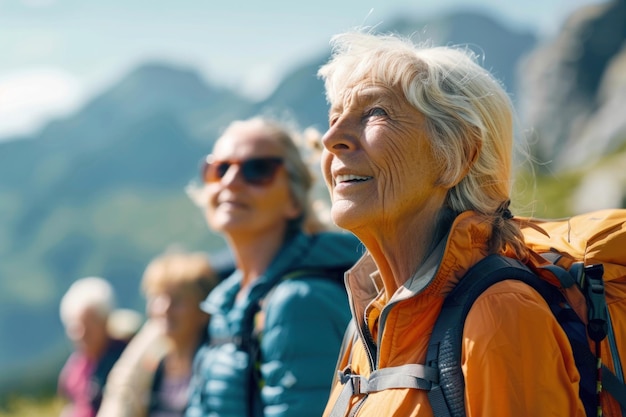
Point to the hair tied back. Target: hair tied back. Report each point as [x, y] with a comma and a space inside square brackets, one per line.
[503, 211]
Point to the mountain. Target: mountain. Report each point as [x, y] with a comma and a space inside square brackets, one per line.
[300, 96]
[102, 191]
[574, 99]
[497, 47]
[575, 83]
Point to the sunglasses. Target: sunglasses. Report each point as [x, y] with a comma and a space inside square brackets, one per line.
[255, 171]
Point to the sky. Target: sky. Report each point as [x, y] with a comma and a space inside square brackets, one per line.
[56, 54]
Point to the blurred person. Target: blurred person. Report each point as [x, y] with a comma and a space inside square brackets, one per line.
[418, 160]
[151, 378]
[85, 310]
[277, 322]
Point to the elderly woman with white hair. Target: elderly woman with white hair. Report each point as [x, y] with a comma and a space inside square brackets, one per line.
[418, 161]
[85, 310]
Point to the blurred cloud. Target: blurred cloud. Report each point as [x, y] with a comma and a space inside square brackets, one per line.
[27, 98]
[261, 82]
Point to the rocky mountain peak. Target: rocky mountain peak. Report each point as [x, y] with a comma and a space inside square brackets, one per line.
[575, 88]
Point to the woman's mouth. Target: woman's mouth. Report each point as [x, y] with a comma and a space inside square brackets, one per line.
[351, 178]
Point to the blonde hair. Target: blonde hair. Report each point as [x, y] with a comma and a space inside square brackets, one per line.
[469, 116]
[298, 151]
[191, 270]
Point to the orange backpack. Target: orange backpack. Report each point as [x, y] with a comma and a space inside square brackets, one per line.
[578, 265]
[580, 245]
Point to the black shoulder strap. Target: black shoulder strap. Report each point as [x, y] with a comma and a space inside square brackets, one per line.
[103, 367]
[444, 351]
[157, 381]
[251, 337]
[335, 274]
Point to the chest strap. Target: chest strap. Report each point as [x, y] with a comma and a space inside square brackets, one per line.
[413, 376]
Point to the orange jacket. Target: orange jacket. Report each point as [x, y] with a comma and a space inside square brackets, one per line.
[516, 359]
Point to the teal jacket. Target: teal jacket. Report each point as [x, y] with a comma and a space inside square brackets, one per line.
[303, 314]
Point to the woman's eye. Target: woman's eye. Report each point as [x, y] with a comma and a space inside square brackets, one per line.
[376, 112]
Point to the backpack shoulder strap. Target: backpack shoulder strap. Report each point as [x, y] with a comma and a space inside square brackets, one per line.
[345, 350]
[256, 322]
[441, 376]
[335, 274]
[447, 398]
[157, 382]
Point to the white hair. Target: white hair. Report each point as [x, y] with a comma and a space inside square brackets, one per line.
[469, 116]
[87, 293]
[468, 113]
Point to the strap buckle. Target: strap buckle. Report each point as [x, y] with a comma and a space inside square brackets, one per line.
[357, 382]
[596, 302]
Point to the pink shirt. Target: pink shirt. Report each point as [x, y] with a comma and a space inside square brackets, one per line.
[75, 385]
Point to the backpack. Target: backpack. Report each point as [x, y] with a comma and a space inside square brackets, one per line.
[582, 276]
[578, 265]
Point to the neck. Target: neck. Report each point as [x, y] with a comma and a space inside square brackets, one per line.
[97, 351]
[400, 249]
[184, 349]
[179, 363]
[253, 254]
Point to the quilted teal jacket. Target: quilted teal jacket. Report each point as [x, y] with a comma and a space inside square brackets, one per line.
[303, 313]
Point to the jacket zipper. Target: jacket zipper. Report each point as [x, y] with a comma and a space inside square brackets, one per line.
[368, 340]
[370, 345]
[371, 348]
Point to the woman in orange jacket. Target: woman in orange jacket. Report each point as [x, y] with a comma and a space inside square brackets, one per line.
[417, 160]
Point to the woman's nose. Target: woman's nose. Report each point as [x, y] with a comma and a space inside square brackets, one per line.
[161, 304]
[232, 176]
[340, 136]
[76, 331]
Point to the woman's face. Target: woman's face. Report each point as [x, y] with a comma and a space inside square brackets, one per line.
[378, 163]
[88, 331]
[177, 307]
[241, 209]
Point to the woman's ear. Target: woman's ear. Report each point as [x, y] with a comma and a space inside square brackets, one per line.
[467, 159]
[472, 153]
[293, 210]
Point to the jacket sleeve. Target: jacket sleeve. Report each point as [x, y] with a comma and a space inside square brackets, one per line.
[516, 359]
[305, 320]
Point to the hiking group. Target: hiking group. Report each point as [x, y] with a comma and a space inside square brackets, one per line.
[434, 300]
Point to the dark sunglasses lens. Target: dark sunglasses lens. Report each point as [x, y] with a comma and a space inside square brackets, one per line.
[212, 172]
[220, 169]
[260, 171]
[257, 171]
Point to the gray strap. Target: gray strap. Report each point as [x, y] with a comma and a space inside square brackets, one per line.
[343, 401]
[413, 376]
[349, 339]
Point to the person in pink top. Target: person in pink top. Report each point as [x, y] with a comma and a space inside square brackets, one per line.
[85, 309]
